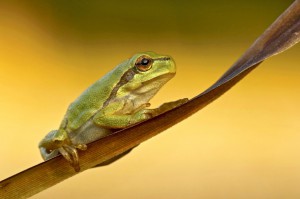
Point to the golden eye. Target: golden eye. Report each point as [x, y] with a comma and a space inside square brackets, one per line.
[143, 63]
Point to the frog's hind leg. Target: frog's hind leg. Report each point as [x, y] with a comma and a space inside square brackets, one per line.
[71, 155]
[58, 141]
[48, 147]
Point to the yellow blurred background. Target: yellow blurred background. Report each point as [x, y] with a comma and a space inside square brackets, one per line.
[244, 145]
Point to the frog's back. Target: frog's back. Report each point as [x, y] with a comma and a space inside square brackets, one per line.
[93, 98]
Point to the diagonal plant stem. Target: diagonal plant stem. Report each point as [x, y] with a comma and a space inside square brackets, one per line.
[281, 35]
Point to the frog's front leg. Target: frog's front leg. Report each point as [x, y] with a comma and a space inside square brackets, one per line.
[59, 141]
[112, 116]
[168, 106]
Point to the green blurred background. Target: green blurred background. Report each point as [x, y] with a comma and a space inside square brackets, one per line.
[244, 145]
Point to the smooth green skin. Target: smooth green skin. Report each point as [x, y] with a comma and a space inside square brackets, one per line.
[110, 104]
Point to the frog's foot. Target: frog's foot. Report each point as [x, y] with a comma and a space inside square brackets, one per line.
[71, 155]
[170, 105]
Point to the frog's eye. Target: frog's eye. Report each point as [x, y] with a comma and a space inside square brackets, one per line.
[143, 63]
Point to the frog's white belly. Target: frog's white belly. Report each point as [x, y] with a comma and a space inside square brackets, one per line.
[88, 133]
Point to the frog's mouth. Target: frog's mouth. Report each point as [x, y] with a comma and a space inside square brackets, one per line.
[166, 59]
[154, 84]
[162, 59]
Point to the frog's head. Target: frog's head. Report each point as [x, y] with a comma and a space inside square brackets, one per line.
[147, 73]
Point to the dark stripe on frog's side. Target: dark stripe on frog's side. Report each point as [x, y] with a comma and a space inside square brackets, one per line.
[126, 77]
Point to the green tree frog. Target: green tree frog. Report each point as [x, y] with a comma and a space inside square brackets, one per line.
[117, 100]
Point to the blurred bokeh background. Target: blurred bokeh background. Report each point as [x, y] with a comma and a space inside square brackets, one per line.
[244, 145]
